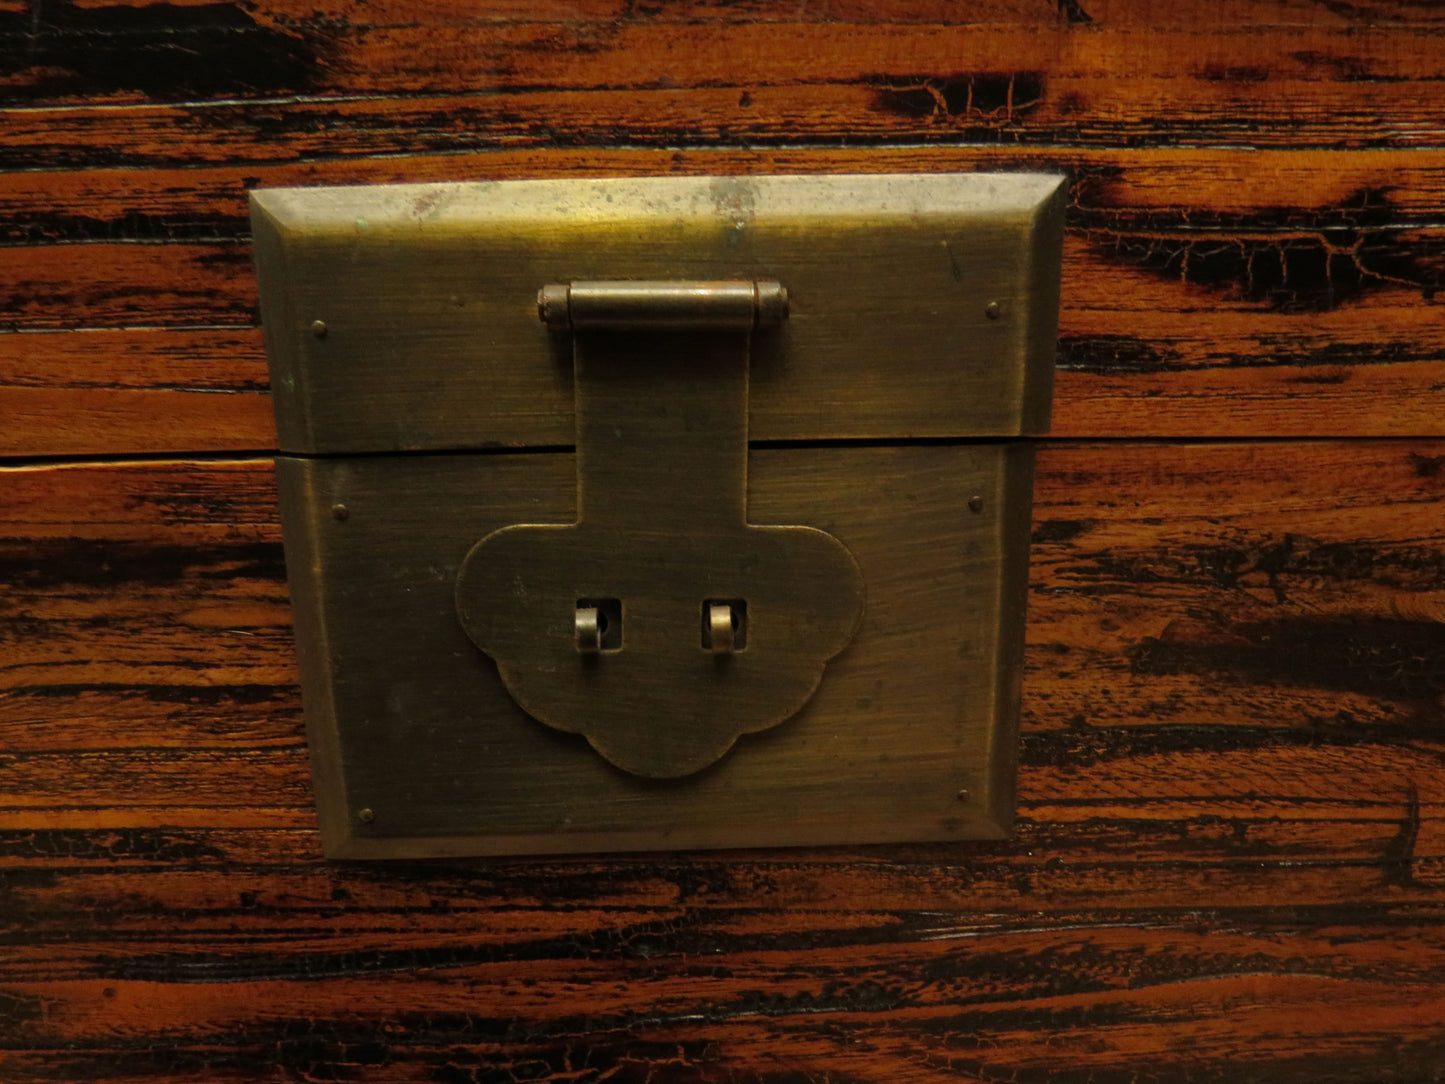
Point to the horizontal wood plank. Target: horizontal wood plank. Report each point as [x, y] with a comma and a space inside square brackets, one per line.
[248, 89]
[1215, 631]
[1112, 188]
[177, 17]
[1230, 807]
[1009, 1006]
[898, 111]
[1205, 292]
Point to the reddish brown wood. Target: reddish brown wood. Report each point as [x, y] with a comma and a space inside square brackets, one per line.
[1227, 864]
[1231, 850]
[1206, 292]
[1030, 77]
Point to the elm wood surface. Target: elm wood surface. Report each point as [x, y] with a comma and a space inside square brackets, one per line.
[1232, 847]
[1206, 293]
[1225, 289]
[1228, 865]
[726, 80]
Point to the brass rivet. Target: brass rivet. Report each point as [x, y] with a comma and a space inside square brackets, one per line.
[992, 310]
[366, 816]
[975, 503]
[962, 795]
[318, 328]
[340, 511]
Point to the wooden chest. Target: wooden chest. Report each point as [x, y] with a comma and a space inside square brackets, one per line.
[1229, 856]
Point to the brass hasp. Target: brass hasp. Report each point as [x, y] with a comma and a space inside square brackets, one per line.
[661, 625]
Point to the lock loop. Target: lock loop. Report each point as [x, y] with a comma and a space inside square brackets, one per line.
[721, 627]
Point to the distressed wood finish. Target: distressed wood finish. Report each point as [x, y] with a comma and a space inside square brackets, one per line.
[1254, 246]
[1228, 864]
[1231, 852]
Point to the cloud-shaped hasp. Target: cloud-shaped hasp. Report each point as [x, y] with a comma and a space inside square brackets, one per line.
[663, 705]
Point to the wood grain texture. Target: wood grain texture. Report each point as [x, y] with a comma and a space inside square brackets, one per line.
[1206, 293]
[1211, 290]
[1348, 81]
[1228, 865]
[1232, 838]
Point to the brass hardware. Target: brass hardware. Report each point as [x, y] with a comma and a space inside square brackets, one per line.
[717, 360]
[427, 293]
[661, 379]
[662, 306]
[588, 629]
[722, 625]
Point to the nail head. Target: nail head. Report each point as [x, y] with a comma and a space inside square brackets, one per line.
[366, 816]
[993, 310]
[318, 328]
[340, 511]
[975, 503]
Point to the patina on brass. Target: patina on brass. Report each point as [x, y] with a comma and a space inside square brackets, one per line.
[661, 377]
[427, 293]
[404, 319]
[662, 306]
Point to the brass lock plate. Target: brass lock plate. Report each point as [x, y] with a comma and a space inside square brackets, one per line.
[694, 626]
[650, 574]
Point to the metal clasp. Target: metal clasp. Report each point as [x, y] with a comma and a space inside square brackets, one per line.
[661, 624]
